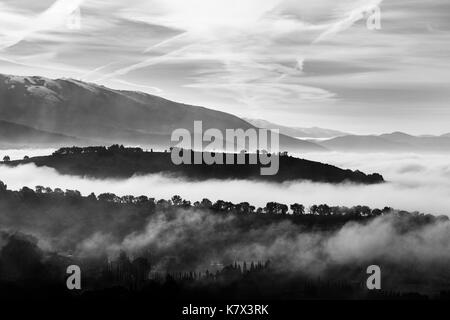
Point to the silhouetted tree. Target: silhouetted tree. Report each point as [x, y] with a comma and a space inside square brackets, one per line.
[110, 197]
[323, 210]
[376, 212]
[271, 208]
[313, 209]
[3, 186]
[177, 200]
[297, 209]
[127, 199]
[206, 203]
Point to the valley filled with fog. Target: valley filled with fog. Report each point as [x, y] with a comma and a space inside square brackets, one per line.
[414, 182]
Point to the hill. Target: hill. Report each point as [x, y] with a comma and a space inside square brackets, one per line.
[119, 162]
[15, 135]
[298, 132]
[89, 111]
[392, 142]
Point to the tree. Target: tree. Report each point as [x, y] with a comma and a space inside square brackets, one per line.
[73, 194]
[282, 209]
[218, 205]
[109, 197]
[127, 199]
[186, 204]
[244, 207]
[323, 210]
[365, 211]
[276, 208]
[376, 212]
[58, 191]
[297, 209]
[206, 203]
[27, 193]
[3, 186]
[271, 208]
[6, 159]
[177, 201]
[313, 209]
[92, 197]
[163, 204]
[141, 199]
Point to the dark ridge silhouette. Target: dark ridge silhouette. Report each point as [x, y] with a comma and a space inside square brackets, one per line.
[120, 162]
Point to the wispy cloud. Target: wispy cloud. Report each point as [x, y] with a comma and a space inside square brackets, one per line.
[253, 58]
[54, 17]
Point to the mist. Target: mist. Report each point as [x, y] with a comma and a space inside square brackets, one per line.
[205, 237]
[414, 183]
[195, 239]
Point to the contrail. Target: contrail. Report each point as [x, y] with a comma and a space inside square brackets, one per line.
[51, 18]
[343, 24]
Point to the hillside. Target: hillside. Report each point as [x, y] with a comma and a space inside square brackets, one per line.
[392, 142]
[91, 111]
[16, 135]
[361, 143]
[116, 162]
[298, 132]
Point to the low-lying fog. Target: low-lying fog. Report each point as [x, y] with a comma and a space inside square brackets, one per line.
[415, 183]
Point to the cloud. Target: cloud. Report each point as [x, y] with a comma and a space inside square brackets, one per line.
[55, 16]
[414, 183]
[193, 240]
[188, 240]
[244, 58]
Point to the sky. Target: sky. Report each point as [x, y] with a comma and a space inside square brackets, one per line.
[294, 62]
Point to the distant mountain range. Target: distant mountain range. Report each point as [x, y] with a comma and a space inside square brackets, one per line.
[392, 142]
[297, 132]
[14, 135]
[84, 111]
[341, 141]
[38, 112]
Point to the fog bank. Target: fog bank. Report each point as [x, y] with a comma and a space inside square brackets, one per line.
[415, 183]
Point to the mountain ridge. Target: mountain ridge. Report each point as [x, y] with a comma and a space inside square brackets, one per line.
[91, 111]
[14, 135]
[388, 142]
[298, 132]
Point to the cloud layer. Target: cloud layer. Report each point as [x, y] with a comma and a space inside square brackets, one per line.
[415, 183]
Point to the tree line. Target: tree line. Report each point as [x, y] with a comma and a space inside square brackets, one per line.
[220, 206]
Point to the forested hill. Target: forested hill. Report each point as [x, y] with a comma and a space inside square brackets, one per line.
[119, 162]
